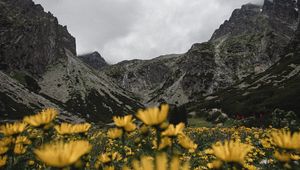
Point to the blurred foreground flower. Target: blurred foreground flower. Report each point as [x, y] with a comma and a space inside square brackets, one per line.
[3, 149]
[154, 116]
[62, 154]
[125, 122]
[3, 160]
[66, 128]
[159, 163]
[286, 140]
[42, 118]
[13, 128]
[6, 141]
[20, 149]
[229, 152]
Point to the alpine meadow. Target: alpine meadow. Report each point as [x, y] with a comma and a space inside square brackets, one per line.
[231, 102]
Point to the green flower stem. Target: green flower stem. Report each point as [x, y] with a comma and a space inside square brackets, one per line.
[157, 137]
[123, 143]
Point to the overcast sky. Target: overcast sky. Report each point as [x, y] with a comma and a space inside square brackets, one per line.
[129, 29]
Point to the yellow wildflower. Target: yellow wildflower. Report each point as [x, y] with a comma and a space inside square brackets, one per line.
[20, 149]
[285, 139]
[13, 128]
[109, 168]
[295, 157]
[23, 140]
[42, 118]
[161, 163]
[250, 167]
[173, 131]
[6, 141]
[154, 116]
[209, 151]
[282, 157]
[125, 122]
[66, 128]
[3, 149]
[125, 168]
[130, 127]
[30, 162]
[187, 143]
[147, 162]
[35, 133]
[62, 154]
[3, 160]
[266, 143]
[216, 164]
[114, 133]
[164, 125]
[122, 121]
[116, 156]
[104, 158]
[144, 129]
[175, 163]
[232, 151]
[108, 157]
[165, 142]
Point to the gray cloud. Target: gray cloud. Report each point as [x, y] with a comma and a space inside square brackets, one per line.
[130, 29]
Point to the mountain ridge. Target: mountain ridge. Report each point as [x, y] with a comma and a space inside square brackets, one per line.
[251, 41]
[39, 61]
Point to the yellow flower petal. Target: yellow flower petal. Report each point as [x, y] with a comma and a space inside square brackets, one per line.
[66, 128]
[13, 128]
[174, 131]
[3, 160]
[154, 116]
[62, 154]
[42, 118]
[114, 133]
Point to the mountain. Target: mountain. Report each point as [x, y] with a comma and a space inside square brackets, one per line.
[277, 87]
[250, 42]
[39, 68]
[94, 59]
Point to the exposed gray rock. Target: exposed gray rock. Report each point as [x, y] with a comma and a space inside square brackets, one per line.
[17, 101]
[251, 41]
[39, 54]
[277, 87]
[94, 60]
[31, 39]
[216, 116]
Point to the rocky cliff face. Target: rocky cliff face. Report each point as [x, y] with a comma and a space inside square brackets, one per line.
[250, 42]
[30, 38]
[277, 87]
[39, 68]
[95, 60]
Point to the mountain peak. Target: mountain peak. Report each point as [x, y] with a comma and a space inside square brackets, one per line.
[94, 60]
[285, 10]
[251, 18]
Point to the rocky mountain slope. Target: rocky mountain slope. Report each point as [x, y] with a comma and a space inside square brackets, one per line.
[39, 68]
[277, 87]
[251, 41]
[94, 60]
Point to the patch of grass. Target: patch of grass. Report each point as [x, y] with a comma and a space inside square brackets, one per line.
[199, 122]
